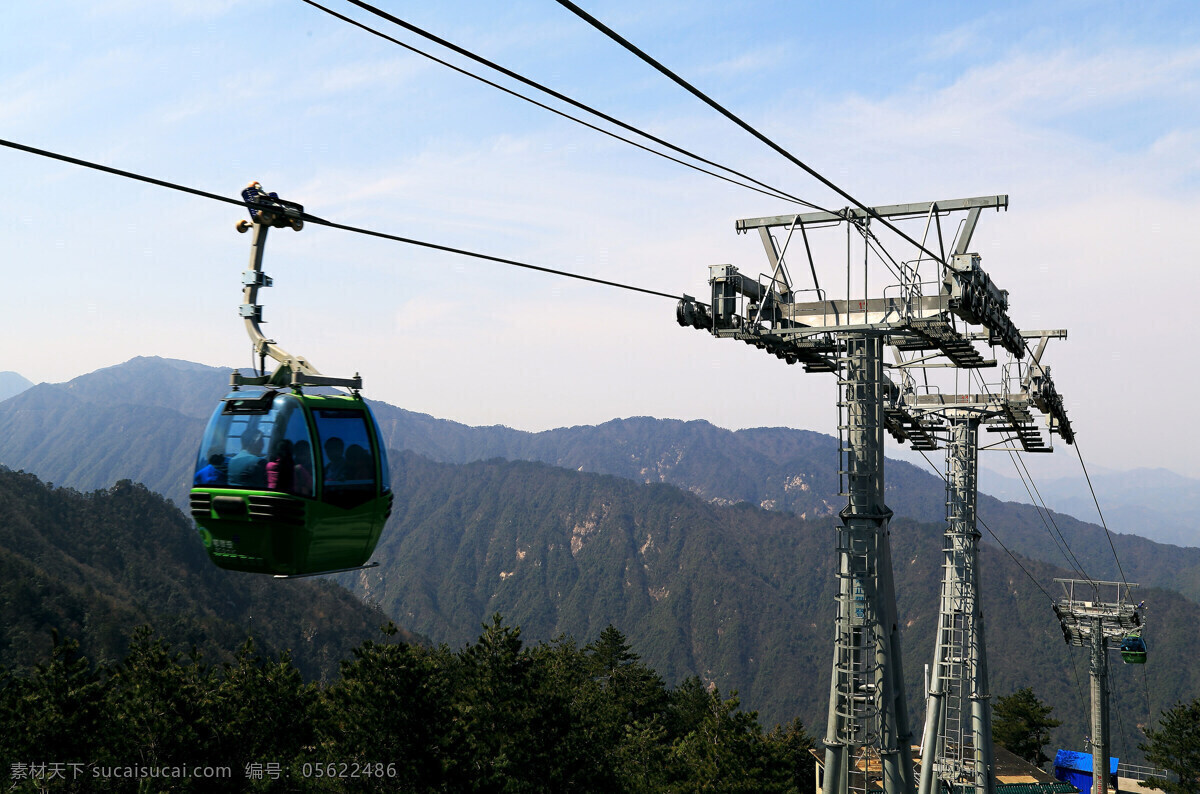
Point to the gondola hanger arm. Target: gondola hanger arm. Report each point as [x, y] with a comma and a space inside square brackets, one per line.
[267, 210]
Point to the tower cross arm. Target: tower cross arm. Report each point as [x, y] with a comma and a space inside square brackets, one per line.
[912, 210]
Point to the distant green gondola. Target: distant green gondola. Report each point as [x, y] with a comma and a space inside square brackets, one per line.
[287, 481]
[1133, 649]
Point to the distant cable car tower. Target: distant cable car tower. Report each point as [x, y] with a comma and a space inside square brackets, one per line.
[867, 737]
[1094, 615]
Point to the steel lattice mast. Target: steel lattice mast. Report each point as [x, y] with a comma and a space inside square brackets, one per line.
[867, 720]
[867, 736]
[956, 744]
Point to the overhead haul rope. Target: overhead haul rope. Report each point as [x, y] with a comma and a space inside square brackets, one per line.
[999, 542]
[1043, 512]
[511, 262]
[1044, 507]
[1101, 514]
[1038, 503]
[763, 187]
[331, 224]
[591, 20]
[1076, 566]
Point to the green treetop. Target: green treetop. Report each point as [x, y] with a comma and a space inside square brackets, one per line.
[1175, 745]
[1021, 723]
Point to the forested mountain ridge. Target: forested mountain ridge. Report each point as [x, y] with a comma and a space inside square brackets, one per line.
[92, 566]
[75, 440]
[142, 420]
[741, 596]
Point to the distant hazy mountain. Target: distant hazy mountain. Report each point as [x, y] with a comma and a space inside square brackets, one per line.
[735, 594]
[167, 383]
[94, 566]
[12, 384]
[1153, 503]
[87, 441]
[143, 420]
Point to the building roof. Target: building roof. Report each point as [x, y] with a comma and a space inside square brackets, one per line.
[1036, 788]
[1012, 768]
[1014, 775]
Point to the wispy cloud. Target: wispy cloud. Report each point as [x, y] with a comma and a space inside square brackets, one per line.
[363, 75]
[1072, 80]
[956, 41]
[751, 61]
[1018, 108]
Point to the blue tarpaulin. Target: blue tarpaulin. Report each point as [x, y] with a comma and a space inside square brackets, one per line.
[1076, 769]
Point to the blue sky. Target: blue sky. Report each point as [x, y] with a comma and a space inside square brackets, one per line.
[1084, 113]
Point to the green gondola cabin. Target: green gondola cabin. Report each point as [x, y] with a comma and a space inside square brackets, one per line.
[1133, 649]
[289, 483]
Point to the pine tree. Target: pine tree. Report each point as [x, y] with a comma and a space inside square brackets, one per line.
[1021, 723]
[505, 729]
[56, 712]
[789, 749]
[1175, 746]
[263, 712]
[161, 705]
[393, 704]
[635, 689]
[724, 752]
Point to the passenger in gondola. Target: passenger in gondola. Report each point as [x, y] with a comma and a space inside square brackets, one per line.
[248, 469]
[280, 466]
[302, 478]
[358, 463]
[335, 467]
[214, 472]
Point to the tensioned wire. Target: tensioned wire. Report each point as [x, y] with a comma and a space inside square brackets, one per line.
[383, 235]
[791, 158]
[1095, 500]
[331, 224]
[762, 187]
[453, 250]
[1043, 511]
[712, 103]
[1000, 543]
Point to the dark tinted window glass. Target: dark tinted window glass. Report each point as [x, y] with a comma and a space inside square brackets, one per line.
[385, 477]
[348, 455]
[255, 442]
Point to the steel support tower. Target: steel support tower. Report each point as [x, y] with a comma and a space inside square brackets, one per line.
[956, 744]
[1090, 620]
[867, 737]
[868, 721]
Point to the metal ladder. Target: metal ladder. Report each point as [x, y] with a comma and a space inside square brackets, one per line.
[957, 667]
[857, 660]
